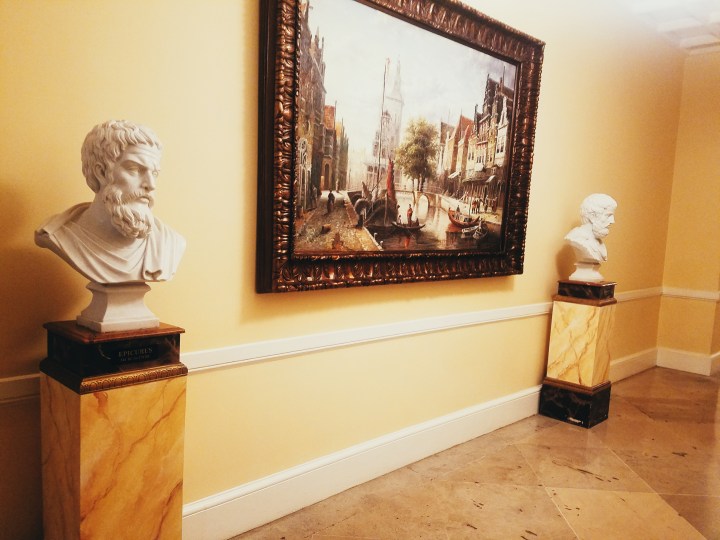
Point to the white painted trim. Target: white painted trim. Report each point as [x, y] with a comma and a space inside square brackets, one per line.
[264, 350]
[715, 363]
[625, 367]
[20, 387]
[639, 294]
[271, 349]
[23, 386]
[261, 501]
[692, 362]
[691, 294]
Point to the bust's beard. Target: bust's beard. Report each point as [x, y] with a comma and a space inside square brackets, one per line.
[131, 222]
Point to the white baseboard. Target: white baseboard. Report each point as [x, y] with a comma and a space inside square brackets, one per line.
[19, 388]
[253, 504]
[622, 368]
[690, 362]
[702, 364]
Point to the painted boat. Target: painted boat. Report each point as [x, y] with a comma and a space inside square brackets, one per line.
[462, 221]
[478, 232]
[408, 228]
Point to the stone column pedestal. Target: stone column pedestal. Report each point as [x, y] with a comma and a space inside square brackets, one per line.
[113, 424]
[577, 386]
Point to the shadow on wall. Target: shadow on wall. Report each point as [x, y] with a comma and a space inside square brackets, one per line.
[266, 306]
[565, 262]
[33, 292]
[21, 485]
[34, 288]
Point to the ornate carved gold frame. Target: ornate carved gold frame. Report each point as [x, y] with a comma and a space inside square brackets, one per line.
[278, 269]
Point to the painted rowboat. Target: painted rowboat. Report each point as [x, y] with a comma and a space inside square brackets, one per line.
[462, 221]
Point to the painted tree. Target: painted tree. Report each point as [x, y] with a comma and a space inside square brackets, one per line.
[416, 155]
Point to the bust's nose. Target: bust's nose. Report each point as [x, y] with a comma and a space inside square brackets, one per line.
[149, 181]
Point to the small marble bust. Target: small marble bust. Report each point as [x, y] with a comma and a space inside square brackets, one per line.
[597, 213]
[115, 238]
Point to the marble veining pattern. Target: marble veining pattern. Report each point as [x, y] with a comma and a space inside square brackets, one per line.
[60, 459]
[133, 469]
[113, 461]
[652, 470]
[579, 337]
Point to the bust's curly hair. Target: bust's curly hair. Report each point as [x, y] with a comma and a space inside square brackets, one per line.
[596, 204]
[105, 144]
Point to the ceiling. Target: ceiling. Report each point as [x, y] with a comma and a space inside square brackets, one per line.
[692, 25]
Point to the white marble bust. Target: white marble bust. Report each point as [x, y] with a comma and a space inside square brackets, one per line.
[115, 238]
[597, 213]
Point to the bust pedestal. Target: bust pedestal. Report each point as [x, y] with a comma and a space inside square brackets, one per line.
[577, 386]
[112, 422]
[117, 307]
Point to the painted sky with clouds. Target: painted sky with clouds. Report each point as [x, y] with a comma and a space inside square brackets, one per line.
[440, 78]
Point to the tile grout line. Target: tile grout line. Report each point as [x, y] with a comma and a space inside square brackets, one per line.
[546, 489]
[562, 514]
[652, 489]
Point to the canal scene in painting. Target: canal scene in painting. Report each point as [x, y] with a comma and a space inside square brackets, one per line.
[402, 136]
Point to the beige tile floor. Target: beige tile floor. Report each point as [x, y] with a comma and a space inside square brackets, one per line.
[651, 471]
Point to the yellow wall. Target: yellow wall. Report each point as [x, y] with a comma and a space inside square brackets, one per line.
[636, 327]
[687, 324]
[609, 110]
[693, 257]
[715, 345]
[692, 260]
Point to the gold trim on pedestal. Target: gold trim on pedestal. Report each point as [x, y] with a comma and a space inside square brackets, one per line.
[87, 385]
[574, 387]
[584, 301]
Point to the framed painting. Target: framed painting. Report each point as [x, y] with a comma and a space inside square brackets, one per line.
[395, 143]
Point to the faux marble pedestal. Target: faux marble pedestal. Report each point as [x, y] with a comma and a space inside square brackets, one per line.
[577, 386]
[112, 420]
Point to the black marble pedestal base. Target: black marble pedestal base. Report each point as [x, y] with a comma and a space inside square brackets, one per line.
[573, 403]
[599, 293]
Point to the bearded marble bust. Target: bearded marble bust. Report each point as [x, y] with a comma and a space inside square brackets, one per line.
[597, 213]
[116, 238]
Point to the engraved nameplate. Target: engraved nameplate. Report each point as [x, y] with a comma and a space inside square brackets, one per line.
[124, 353]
